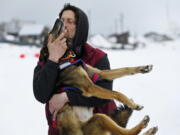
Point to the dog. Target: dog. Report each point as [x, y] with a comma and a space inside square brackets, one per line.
[75, 75]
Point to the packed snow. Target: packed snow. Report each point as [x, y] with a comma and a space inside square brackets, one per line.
[157, 91]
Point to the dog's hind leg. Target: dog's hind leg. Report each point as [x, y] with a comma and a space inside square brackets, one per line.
[120, 72]
[99, 124]
[103, 93]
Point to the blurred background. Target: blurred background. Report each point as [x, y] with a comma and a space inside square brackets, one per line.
[132, 33]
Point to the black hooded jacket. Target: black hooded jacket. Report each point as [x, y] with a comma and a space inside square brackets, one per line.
[46, 72]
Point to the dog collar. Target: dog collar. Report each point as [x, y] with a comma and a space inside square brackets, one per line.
[65, 64]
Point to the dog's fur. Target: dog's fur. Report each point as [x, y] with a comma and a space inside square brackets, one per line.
[98, 124]
[68, 121]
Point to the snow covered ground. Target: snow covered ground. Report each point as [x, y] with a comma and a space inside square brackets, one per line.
[158, 91]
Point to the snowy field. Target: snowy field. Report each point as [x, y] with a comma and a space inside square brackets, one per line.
[158, 90]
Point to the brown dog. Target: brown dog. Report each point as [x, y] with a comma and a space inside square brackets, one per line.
[68, 121]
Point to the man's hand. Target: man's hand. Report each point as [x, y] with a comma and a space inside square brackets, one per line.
[57, 102]
[56, 47]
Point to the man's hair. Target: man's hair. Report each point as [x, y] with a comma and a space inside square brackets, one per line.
[68, 6]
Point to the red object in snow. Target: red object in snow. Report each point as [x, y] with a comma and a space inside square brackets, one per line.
[36, 55]
[22, 56]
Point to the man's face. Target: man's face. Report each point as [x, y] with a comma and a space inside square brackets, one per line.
[68, 17]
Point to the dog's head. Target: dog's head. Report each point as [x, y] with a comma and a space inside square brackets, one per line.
[122, 115]
[57, 29]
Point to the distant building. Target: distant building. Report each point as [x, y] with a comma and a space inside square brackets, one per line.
[122, 41]
[121, 38]
[13, 27]
[156, 37]
[2, 31]
[23, 32]
[32, 33]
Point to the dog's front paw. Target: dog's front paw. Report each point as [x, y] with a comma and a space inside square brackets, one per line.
[145, 121]
[151, 131]
[135, 106]
[146, 69]
[138, 107]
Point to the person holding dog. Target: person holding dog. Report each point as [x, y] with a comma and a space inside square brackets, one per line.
[46, 72]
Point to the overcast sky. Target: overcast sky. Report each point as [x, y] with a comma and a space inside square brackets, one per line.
[140, 16]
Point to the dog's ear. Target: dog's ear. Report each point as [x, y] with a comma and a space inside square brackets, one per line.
[44, 50]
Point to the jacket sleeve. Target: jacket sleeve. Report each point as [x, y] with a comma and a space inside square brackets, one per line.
[77, 99]
[44, 81]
